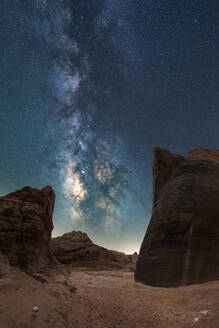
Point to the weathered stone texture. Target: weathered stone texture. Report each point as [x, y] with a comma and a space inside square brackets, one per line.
[26, 226]
[181, 244]
[77, 249]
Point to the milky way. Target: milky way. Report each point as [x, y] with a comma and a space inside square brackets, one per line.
[101, 91]
[93, 177]
[89, 88]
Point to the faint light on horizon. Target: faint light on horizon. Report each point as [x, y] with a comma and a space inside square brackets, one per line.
[129, 250]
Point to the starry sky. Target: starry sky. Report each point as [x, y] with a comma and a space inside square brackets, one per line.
[89, 88]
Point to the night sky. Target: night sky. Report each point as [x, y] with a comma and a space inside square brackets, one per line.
[89, 88]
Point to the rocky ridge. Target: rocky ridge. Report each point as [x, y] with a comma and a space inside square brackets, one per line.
[77, 249]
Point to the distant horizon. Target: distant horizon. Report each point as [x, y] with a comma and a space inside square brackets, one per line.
[55, 233]
[128, 251]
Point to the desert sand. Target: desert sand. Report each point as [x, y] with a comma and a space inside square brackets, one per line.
[103, 299]
[70, 282]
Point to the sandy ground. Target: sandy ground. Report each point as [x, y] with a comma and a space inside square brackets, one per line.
[104, 299]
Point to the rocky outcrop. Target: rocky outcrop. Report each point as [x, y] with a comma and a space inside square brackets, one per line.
[77, 249]
[26, 226]
[134, 257]
[25, 237]
[4, 266]
[206, 154]
[163, 165]
[181, 244]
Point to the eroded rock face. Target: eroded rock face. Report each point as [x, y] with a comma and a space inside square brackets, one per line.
[26, 226]
[133, 257]
[181, 244]
[4, 266]
[163, 165]
[77, 249]
[68, 247]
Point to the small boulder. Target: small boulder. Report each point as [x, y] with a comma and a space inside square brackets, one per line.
[35, 309]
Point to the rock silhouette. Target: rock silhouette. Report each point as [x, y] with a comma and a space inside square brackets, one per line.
[77, 249]
[26, 226]
[25, 238]
[181, 244]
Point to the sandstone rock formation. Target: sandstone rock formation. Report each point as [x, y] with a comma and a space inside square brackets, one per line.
[181, 244]
[134, 257]
[77, 249]
[164, 164]
[4, 266]
[26, 226]
[25, 237]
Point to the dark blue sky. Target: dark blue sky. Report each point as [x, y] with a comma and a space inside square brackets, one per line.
[89, 88]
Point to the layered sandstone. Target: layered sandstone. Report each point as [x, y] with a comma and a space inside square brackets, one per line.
[163, 165]
[26, 226]
[181, 244]
[77, 249]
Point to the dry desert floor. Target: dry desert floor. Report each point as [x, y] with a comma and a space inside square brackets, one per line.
[104, 299]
